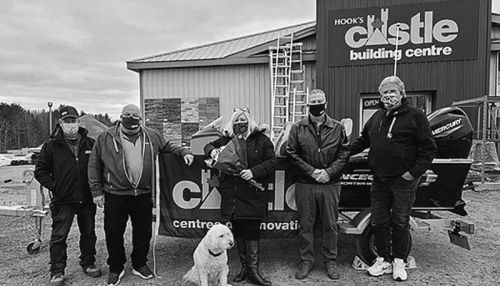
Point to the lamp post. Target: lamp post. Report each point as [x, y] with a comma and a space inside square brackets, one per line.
[50, 116]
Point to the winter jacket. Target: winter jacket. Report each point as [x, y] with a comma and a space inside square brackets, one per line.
[399, 142]
[107, 171]
[240, 200]
[65, 175]
[310, 148]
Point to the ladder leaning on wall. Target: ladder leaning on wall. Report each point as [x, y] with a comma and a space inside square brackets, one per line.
[288, 94]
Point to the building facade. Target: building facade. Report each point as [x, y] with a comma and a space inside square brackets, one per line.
[449, 51]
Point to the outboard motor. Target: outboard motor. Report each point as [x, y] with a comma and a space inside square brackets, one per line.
[452, 131]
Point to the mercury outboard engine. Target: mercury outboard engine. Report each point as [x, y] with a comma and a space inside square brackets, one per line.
[452, 131]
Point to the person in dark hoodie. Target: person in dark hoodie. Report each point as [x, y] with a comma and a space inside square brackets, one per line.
[401, 150]
[318, 147]
[241, 203]
[62, 169]
[121, 175]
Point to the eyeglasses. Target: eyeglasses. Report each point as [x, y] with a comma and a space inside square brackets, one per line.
[244, 109]
[132, 115]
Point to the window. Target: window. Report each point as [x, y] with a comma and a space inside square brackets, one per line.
[369, 104]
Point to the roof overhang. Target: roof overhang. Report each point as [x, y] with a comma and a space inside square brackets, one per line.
[246, 57]
[228, 61]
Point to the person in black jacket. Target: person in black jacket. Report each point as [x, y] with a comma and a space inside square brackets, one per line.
[62, 169]
[318, 147]
[242, 203]
[401, 150]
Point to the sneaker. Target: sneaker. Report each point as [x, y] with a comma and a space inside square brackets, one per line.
[114, 278]
[56, 279]
[380, 267]
[332, 271]
[399, 270]
[304, 269]
[92, 271]
[144, 272]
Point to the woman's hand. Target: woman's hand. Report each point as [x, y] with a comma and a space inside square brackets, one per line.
[246, 174]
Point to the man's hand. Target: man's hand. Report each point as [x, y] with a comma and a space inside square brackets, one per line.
[99, 201]
[246, 174]
[323, 177]
[188, 159]
[316, 174]
[408, 176]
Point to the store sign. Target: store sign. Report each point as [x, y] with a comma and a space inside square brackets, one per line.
[422, 32]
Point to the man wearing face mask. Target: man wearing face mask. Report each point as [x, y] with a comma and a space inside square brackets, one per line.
[62, 169]
[121, 175]
[318, 147]
[401, 150]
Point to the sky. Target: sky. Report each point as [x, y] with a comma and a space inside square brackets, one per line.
[75, 52]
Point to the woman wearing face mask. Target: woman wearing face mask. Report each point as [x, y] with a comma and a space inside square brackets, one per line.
[241, 203]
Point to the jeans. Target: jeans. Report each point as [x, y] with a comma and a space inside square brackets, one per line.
[323, 200]
[391, 203]
[62, 219]
[117, 210]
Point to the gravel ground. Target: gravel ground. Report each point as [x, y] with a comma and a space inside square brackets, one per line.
[438, 261]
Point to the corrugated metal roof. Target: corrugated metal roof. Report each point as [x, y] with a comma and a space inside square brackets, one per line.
[222, 49]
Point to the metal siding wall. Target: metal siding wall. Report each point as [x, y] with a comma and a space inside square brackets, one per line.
[450, 80]
[236, 86]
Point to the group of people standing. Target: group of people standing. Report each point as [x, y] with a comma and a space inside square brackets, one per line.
[117, 171]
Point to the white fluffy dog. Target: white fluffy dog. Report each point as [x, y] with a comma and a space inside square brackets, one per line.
[210, 258]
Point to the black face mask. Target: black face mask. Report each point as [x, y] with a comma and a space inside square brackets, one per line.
[130, 122]
[240, 128]
[317, 109]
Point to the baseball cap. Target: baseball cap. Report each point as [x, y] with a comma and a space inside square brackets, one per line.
[68, 111]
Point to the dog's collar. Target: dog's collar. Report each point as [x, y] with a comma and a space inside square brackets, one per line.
[214, 254]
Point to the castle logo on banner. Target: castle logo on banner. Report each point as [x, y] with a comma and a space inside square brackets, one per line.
[423, 32]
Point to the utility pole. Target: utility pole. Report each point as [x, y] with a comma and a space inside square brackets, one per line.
[50, 117]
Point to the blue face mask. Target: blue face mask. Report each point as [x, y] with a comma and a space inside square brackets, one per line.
[70, 129]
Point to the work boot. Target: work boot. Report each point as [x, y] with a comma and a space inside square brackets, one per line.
[253, 274]
[242, 253]
[331, 270]
[304, 269]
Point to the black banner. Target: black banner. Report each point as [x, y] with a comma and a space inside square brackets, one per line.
[434, 31]
[189, 205]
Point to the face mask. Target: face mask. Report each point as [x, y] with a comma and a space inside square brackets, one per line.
[240, 128]
[130, 122]
[390, 101]
[70, 129]
[317, 109]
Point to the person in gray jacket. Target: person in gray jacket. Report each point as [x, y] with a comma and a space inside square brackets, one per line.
[318, 147]
[121, 176]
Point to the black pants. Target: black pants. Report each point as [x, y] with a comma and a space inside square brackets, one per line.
[247, 229]
[62, 219]
[117, 210]
[391, 203]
